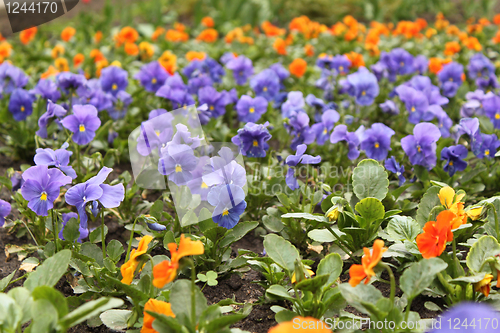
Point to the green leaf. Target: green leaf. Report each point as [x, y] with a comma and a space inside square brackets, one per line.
[238, 232]
[23, 298]
[307, 216]
[95, 236]
[369, 179]
[157, 209]
[420, 275]
[115, 250]
[44, 316]
[71, 230]
[468, 279]
[485, 247]
[272, 220]
[428, 202]
[321, 235]
[279, 292]
[371, 210]
[6, 280]
[166, 324]
[116, 319]
[11, 314]
[360, 295]
[401, 228]
[92, 251]
[282, 197]
[218, 324]
[180, 299]
[131, 291]
[331, 265]
[313, 284]
[89, 310]
[281, 251]
[189, 218]
[53, 296]
[51, 271]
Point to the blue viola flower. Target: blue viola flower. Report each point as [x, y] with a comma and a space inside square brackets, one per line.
[41, 187]
[177, 162]
[294, 104]
[266, 84]
[17, 180]
[152, 76]
[207, 67]
[416, 103]
[47, 89]
[474, 103]
[94, 95]
[197, 185]
[84, 232]
[486, 146]
[389, 107]
[67, 81]
[216, 101]
[421, 146]
[21, 104]
[376, 141]
[454, 156]
[397, 62]
[11, 78]
[281, 72]
[226, 57]
[5, 209]
[421, 64]
[223, 169]
[252, 140]
[322, 129]
[480, 66]
[251, 109]
[84, 122]
[341, 64]
[491, 106]
[114, 79]
[363, 86]
[242, 69]
[53, 110]
[229, 202]
[468, 312]
[393, 166]
[299, 158]
[58, 158]
[451, 78]
[92, 190]
[298, 127]
[353, 139]
[444, 121]
[120, 105]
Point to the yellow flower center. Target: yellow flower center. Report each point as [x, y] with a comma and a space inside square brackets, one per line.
[82, 128]
[185, 106]
[401, 63]
[225, 212]
[178, 168]
[252, 110]
[204, 185]
[450, 79]
[487, 152]
[115, 86]
[497, 116]
[211, 107]
[419, 149]
[43, 196]
[325, 131]
[22, 108]
[451, 163]
[341, 68]
[255, 143]
[264, 89]
[412, 109]
[363, 93]
[157, 132]
[154, 80]
[377, 145]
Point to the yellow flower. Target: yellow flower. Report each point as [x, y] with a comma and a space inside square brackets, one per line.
[484, 286]
[116, 63]
[156, 306]
[128, 268]
[447, 196]
[333, 215]
[474, 213]
[311, 273]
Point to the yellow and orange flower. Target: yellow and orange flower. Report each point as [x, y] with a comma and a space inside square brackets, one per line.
[371, 259]
[157, 33]
[432, 242]
[57, 51]
[208, 22]
[51, 71]
[484, 286]
[5, 50]
[146, 50]
[191, 55]
[62, 64]
[453, 203]
[436, 64]
[472, 44]
[96, 55]
[166, 271]
[279, 46]
[173, 35]
[26, 36]
[68, 33]
[78, 59]
[451, 48]
[156, 306]
[298, 67]
[208, 35]
[98, 37]
[131, 49]
[356, 59]
[168, 60]
[301, 325]
[271, 30]
[126, 35]
[309, 50]
[128, 268]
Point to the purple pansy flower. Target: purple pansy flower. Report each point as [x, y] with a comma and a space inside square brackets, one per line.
[223, 169]
[393, 166]
[451, 78]
[58, 159]
[4, 211]
[242, 69]
[416, 103]
[226, 57]
[251, 109]
[229, 202]
[84, 232]
[322, 129]
[293, 105]
[281, 71]
[216, 101]
[266, 84]
[421, 63]
[252, 139]
[177, 162]
[397, 62]
[41, 187]
[421, 146]
[444, 121]
[389, 107]
[21, 104]
[364, 86]
[293, 160]
[11, 77]
[152, 76]
[486, 146]
[353, 139]
[120, 105]
[47, 89]
[468, 312]
[376, 141]
[114, 79]
[300, 130]
[53, 110]
[491, 106]
[83, 123]
[69, 81]
[454, 156]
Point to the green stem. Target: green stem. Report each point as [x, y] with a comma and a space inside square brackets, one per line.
[55, 229]
[341, 244]
[78, 159]
[497, 227]
[152, 293]
[454, 245]
[393, 281]
[408, 309]
[193, 294]
[130, 240]
[103, 237]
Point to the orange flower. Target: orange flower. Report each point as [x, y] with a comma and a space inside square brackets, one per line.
[5, 49]
[28, 35]
[131, 49]
[338, 28]
[452, 30]
[208, 22]
[191, 55]
[484, 21]
[68, 33]
[61, 65]
[430, 32]
[301, 324]
[279, 46]
[156, 306]
[356, 59]
[371, 259]
[271, 30]
[100, 65]
[453, 203]
[472, 44]
[168, 60]
[451, 48]
[127, 35]
[157, 33]
[78, 59]
[96, 55]
[436, 64]
[179, 27]
[98, 37]
[309, 50]
[496, 19]
[484, 286]
[208, 35]
[496, 39]
[128, 268]
[57, 51]
[298, 67]
[176, 36]
[234, 34]
[49, 72]
[146, 50]
[166, 271]
[432, 242]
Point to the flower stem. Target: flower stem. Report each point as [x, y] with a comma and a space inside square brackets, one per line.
[103, 236]
[55, 229]
[193, 294]
[130, 240]
[393, 281]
